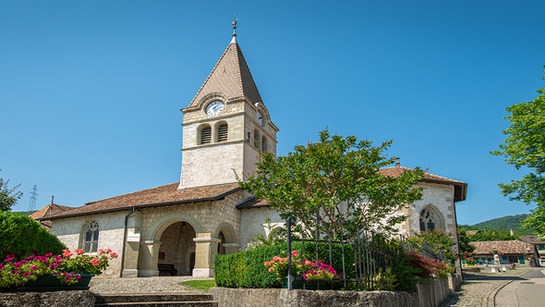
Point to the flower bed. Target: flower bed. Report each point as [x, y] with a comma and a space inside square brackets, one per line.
[67, 269]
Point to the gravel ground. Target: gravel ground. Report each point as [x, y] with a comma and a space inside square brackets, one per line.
[168, 284]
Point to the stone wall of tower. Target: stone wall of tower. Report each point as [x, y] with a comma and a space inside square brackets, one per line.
[217, 162]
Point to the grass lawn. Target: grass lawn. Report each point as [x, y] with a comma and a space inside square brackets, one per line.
[200, 284]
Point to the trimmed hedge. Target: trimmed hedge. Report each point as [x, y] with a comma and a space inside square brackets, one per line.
[247, 270]
[23, 236]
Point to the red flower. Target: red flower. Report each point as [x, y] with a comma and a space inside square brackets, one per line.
[114, 255]
[94, 261]
[67, 253]
[79, 251]
[295, 253]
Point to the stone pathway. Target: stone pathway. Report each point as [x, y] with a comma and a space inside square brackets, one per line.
[166, 284]
[479, 289]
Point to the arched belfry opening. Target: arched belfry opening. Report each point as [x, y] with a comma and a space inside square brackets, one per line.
[177, 250]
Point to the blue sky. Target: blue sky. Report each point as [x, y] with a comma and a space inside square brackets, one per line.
[90, 91]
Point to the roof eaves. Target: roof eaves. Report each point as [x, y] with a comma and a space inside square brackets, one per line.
[214, 198]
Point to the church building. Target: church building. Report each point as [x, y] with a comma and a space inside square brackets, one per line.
[177, 229]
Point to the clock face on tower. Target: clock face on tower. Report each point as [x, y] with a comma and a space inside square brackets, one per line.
[214, 108]
[260, 119]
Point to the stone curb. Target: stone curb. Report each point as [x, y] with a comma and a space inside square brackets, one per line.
[492, 296]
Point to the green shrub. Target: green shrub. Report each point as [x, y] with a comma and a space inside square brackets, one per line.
[22, 236]
[247, 269]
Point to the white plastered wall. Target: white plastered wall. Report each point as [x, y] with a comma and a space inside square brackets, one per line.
[111, 232]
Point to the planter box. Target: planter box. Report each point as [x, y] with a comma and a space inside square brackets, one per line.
[50, 282]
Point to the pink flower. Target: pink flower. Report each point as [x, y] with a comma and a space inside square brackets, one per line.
[30, 257]
[34, 267]
[68, 278]
[283, 259]
[9, 257]
[49, 255]
[15, 272]
[27, 274]
[276, 258]
[94, 261]
[295, 253]
[79, 251]
[114, 255]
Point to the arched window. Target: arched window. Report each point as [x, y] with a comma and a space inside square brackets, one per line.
[90, 245]
[222, 132]
[264, 144]
[206, 135]
[429, 220]
[256, 139]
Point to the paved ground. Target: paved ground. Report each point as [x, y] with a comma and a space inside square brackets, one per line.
[479, 289]
[526, 291]
[166, 284]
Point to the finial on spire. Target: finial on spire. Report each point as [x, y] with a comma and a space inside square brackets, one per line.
[234, 40]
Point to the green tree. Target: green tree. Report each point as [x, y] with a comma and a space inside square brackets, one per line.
[463, 243]
[493, 235]
[8, 197]
[336, 179]
[525, 147]
[441, 239]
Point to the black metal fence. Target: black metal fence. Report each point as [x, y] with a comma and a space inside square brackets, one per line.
[364, 255]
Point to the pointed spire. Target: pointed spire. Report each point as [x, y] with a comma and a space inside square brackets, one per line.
[231, 76]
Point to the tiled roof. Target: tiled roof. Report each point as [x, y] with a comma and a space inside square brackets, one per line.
[460, 187]
[472, 232]
[48, 210]
[163, 195]
[231, 76]
[532, 240]
[507, 247]
[253, 203]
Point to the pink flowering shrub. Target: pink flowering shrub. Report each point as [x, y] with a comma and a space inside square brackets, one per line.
[67, 268]
[309, 270]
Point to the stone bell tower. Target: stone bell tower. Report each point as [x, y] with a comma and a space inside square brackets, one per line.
[226, 124]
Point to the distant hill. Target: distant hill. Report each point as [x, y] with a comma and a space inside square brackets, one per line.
[504, 223]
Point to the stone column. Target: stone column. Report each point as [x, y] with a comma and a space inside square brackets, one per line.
[149, 255]
[205, 249]
[132, 245]
[231, 248]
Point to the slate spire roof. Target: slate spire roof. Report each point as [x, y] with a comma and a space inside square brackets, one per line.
[231, 76]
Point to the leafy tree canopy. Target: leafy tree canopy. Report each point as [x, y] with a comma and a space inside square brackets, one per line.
[336, 179]
[463, 241]
[439, 238]
[8, 197]
[525, 147]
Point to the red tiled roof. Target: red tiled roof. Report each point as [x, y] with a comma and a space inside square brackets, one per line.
[163, 195]
[507, 247]
[51, 209]
[460, 187]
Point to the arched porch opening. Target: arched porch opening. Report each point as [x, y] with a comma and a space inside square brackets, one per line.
[177, 249]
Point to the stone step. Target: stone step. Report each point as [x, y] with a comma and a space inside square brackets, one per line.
[151, 297]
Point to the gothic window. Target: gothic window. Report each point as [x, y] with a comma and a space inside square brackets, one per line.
[90, 245]
[256, 139]
[206, 135]
[222, 133]
[264, 144]
[429, 220]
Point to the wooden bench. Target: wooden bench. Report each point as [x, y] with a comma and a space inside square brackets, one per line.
[167, 268]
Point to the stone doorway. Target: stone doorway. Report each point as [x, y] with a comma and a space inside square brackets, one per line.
[178, 248]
